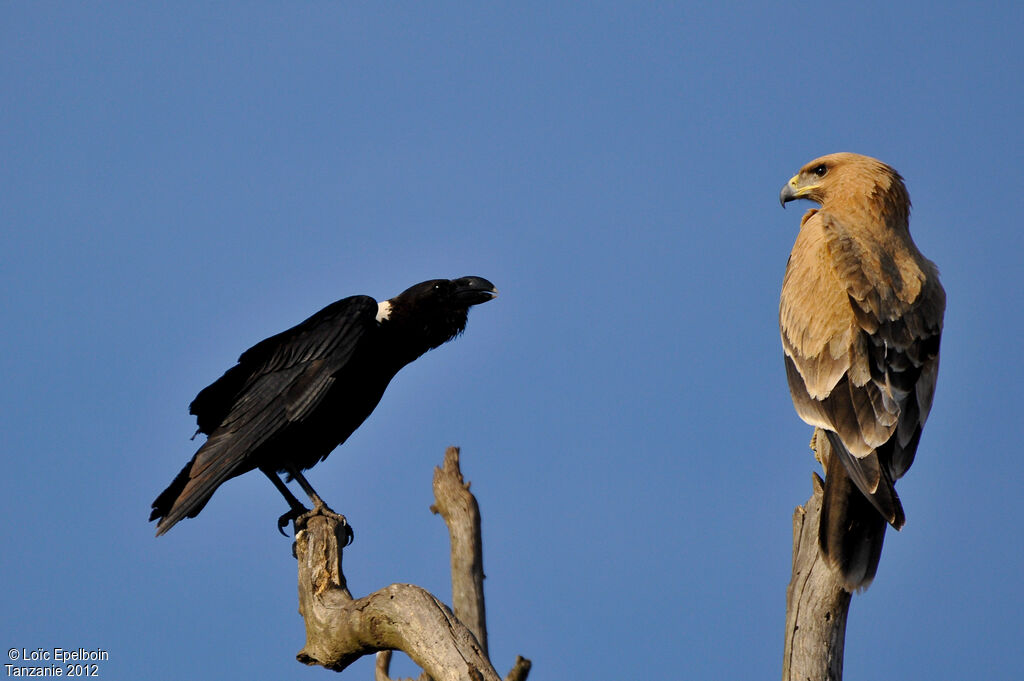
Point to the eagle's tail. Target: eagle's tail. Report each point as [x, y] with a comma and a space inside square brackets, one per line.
[851, 530]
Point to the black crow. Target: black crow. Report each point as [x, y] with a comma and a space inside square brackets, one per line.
[294, 397]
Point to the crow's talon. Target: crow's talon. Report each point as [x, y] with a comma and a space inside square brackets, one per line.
[288, 517]
[322, 509]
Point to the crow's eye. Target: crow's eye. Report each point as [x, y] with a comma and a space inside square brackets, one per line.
[820, 170]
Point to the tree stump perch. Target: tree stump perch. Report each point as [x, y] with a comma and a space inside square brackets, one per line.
[340, 628]
[816, 602]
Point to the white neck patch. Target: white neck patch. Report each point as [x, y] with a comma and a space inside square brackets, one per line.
[383, 310]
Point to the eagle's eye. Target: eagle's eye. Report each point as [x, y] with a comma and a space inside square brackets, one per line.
[820, 170]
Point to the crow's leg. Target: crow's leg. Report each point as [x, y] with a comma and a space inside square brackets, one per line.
[306, 487]
[297, 508]
[319, 507]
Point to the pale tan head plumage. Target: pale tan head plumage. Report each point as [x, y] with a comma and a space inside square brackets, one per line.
[846, 182]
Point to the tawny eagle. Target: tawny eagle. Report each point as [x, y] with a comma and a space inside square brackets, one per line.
[861, 318]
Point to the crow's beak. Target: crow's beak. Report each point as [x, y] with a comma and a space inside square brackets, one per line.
[474, 290]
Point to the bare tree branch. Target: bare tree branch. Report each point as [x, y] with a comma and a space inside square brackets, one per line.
[519, 670]
[459, 509]
[816, 603]
[461, 513]
[383, 667]
[340, 629]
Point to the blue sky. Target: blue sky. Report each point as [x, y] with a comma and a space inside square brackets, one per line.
[179, 181]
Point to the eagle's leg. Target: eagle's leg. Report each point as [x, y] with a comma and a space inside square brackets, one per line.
[319, 507]
[297, 508]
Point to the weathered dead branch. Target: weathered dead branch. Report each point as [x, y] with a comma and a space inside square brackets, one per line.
[458, 507]
[340, 629]
[816, 603]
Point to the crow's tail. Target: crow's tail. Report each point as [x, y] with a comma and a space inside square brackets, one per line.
[186, 496]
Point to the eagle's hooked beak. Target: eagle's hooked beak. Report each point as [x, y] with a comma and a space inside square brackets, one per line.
[793, 191]
[789, 192]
